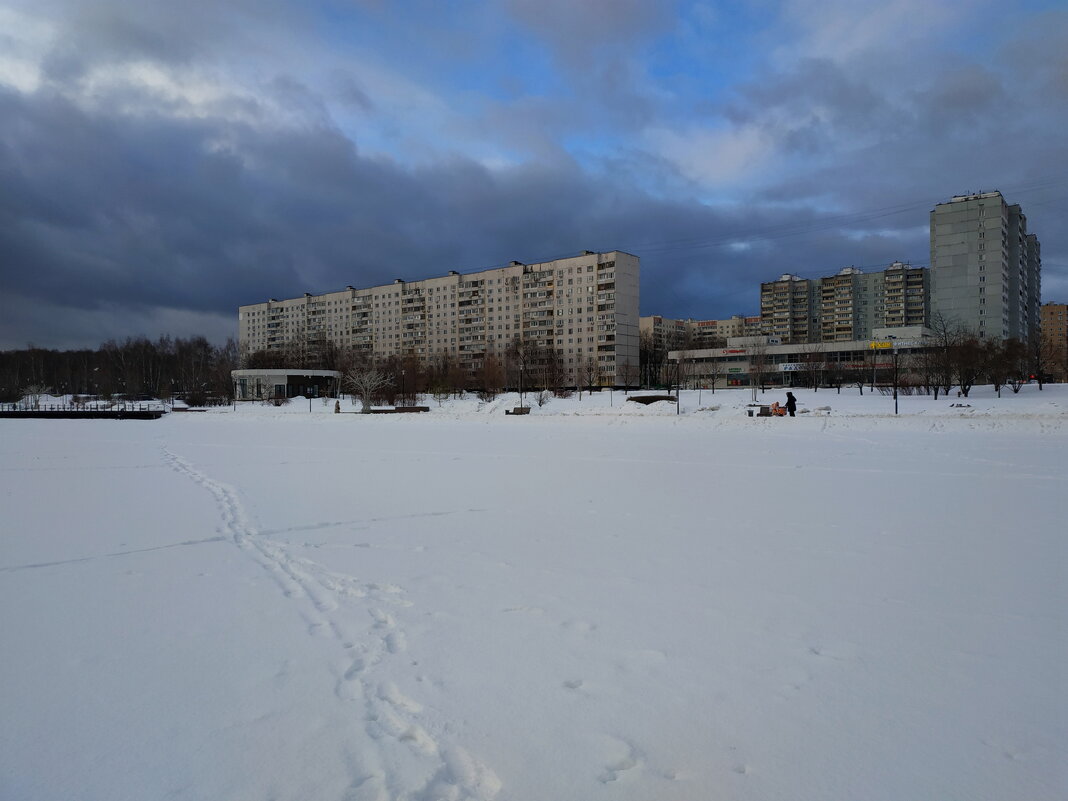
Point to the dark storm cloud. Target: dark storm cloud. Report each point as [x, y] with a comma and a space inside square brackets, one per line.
[128, 205]
[884, 134]
[100, 211]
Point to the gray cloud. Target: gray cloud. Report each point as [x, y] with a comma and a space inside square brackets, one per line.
[100, 212]
[143, 212]
[577, 31]
[115, 32]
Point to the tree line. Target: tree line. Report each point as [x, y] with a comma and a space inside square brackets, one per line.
[191, 369]
[521, 365]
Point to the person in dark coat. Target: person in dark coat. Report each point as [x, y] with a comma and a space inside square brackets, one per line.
[791, 403]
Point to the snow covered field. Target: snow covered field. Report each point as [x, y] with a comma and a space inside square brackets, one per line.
[591, 602]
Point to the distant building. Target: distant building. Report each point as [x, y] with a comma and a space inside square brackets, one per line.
[747, 361]
[985, 267]
[583, 307]
[664, 332]
[1054, 318]
[854, 303]
[669, 333]
[263, 384]
[789, 309]
[846, 306]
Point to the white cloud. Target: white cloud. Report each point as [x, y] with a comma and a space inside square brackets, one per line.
[24, 39]
[841, 29]
[714, 158]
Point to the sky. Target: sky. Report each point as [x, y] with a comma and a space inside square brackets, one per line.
[163, 163]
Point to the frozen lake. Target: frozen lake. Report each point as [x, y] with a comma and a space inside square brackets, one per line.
[586, 603]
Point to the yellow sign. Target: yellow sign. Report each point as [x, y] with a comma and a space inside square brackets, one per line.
[880, 345]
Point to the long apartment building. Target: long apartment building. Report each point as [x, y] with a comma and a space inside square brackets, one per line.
[584, 307]
[846, 306]
[986, 269]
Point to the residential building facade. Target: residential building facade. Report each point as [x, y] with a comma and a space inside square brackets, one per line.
[584, 307]
[789, 309]
[986, 268]
[855, 303]
[664, 332]
[669, 333]
[1054, 318]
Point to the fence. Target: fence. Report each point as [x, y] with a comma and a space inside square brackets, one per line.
[86, 411]
[89, 406]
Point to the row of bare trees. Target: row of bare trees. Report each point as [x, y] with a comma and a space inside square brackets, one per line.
[522, 364]
[653, 367]
[193, 369]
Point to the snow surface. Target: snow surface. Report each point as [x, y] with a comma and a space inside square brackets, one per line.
[600, 600]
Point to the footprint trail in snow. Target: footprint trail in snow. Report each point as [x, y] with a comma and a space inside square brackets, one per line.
[394, 723]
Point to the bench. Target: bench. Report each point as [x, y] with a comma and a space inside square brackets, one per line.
[518, 410]
[401, 410]
[647, 399]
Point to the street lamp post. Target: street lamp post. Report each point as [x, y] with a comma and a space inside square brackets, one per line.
[893, 355]
[896, 377]
[678, 387]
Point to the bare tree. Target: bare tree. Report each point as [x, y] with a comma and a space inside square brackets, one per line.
[440, 392]
[628, 373]
[1017, 357]
[32, 394]
[946, 336]
[999, 361]
[834, 374]
[924, 365]
[365, 382]
[758, 364]
[713, 370]
[553, 374]
[1042, 354]
[490, 377]
[651, 360]
[859, 373]
[588, 373]
[814, 362]
[969, 362]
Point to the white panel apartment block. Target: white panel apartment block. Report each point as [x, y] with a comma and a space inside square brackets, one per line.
[585, 307]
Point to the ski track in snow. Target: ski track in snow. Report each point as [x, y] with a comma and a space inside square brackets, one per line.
[393, 721]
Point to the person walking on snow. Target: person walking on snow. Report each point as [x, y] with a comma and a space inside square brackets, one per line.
[791, 403]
